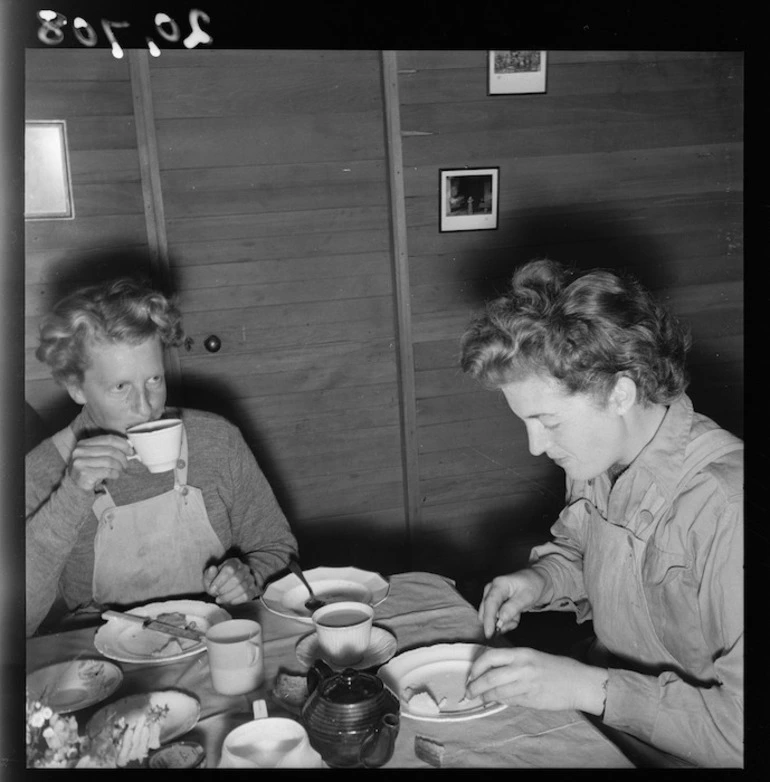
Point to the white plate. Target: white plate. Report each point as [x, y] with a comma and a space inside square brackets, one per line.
[382, 647]
[182, 716]
[442, 670]
[129, 643]
[287, 595]
[74, 684]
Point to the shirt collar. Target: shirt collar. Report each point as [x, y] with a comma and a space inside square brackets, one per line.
[663, 456]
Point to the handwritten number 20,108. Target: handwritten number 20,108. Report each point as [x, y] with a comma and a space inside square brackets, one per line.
[51, 31]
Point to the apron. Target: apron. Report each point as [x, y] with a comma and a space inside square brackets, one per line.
[154, 548]
[614, 576]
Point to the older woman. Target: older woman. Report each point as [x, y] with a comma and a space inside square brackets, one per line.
[103, 529]
[650, 543]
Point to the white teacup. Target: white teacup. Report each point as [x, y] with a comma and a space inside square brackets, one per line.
[272, 742]
[235, 654]
[344, 630]
[157, 443]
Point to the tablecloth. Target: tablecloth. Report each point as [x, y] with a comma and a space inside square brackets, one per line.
[421, 609]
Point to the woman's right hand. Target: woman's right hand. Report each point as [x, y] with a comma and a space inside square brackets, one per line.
[506, 597]
[95, 459]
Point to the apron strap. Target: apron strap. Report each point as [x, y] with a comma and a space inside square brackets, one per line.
[180, 471]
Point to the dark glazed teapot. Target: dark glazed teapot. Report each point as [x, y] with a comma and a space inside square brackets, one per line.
[351, 717]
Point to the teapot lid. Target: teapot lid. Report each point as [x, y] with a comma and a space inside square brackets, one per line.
[351, 686]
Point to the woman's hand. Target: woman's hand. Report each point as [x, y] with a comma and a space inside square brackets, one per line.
[231, 582]
[527, 677]
[96, 459]
[506, 597]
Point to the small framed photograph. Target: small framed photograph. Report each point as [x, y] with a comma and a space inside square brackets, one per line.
[468, 198]
[47, 181]
[516, 71]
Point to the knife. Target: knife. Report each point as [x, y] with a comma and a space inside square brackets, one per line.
[149, 623]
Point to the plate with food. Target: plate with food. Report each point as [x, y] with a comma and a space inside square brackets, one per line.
[430, 683]
[74, 684]
[128, 642]
[139, 723]
[287, 596]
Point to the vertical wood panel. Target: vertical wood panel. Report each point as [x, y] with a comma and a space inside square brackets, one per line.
[402, 293]
[147, 147]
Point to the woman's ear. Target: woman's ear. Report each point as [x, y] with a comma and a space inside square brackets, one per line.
[75, 391]
[623, 395]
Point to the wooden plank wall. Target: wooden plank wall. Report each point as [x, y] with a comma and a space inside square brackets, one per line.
[629, 160]
[91, 91]
[275, 190]
[273, 176]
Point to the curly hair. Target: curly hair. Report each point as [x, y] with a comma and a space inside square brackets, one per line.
[585, 330]
[125, 310]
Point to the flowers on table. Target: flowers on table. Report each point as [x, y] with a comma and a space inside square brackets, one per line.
[53, 740]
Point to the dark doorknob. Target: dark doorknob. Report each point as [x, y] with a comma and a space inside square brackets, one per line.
[212, 343]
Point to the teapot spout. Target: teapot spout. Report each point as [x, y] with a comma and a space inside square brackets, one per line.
[377, 748]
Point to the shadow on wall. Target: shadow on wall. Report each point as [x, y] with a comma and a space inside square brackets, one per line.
[595, 239]
[74, 270]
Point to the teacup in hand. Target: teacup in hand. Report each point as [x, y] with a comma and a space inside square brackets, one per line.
[157, 443]
[344, 630]
[235, 656]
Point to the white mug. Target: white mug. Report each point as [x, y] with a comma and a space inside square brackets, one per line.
[272, 742]
[344, 631]
[157, 444]
[235, 654]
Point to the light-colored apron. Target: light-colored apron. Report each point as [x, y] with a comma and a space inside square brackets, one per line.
[155, 548]
[613, 569]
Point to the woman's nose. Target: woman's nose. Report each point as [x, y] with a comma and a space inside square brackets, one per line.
[538, 440]
[142, 403]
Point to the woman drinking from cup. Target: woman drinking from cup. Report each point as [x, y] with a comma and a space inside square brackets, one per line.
[103, 528]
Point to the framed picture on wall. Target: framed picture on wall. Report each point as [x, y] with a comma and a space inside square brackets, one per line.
[469, 198]
[516, 71]
[47, 182]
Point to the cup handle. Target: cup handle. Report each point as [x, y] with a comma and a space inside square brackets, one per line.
[134, 456]
[253, 651]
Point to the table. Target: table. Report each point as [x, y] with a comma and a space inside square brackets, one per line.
[421, 609]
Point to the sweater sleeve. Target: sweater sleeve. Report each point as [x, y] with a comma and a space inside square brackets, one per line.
[56, 509]
[259, 527]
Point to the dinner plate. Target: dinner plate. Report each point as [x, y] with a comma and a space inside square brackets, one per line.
[382, 646]
[287, 595]
[441, 670]
[127, 642]
[74, 684]
[181, 717]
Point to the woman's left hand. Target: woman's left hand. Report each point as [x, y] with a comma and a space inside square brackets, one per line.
[230, 582]
[527, 677]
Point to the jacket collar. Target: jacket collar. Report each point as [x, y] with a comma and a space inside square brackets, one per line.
[663, 456]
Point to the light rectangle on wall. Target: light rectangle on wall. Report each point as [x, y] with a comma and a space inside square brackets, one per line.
[47, 183]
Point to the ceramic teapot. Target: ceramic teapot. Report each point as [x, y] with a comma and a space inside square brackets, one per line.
[351, 717]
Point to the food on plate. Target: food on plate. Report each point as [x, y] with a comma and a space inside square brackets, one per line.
[423, 701]
[170, 645]
[132, 735]
[178, 619]
[429, 750]
[291, 689]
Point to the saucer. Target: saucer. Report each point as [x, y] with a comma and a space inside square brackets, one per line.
[382, 646]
